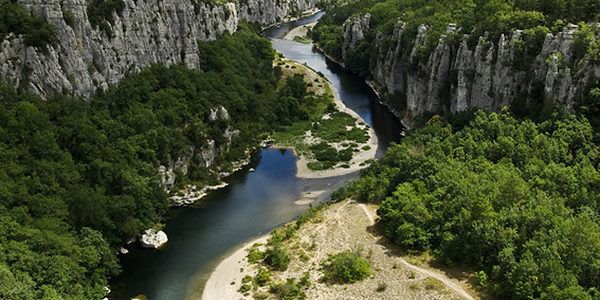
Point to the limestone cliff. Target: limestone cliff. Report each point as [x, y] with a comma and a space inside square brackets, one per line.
[455, 77]
[145, 32]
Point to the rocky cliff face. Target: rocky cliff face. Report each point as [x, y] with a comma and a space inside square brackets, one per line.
[146, 32]
[454, 77]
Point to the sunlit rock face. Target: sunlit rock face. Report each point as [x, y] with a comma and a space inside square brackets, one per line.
[146, 32]
[456, 77]
[154, 238]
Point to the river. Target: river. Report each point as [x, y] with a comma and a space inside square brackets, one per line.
[253, 204]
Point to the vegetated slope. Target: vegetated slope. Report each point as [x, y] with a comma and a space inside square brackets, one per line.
[451, 56]
[102, 41]
[516, 201]
[78, 179]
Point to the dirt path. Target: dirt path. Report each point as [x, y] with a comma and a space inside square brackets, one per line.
[440, 277]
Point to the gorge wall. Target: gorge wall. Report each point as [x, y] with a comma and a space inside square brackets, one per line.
[145, 32]
[455, 77]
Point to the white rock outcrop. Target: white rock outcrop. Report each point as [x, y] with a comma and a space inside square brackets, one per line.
[154, 238]
[146, 32]
[456, 77]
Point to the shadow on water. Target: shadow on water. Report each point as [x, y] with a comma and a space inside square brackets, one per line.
[253, 204]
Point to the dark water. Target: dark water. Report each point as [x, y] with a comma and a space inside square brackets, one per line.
[253, 204]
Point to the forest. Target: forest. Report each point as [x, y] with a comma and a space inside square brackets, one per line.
[80, 178]
[515, 201]
[488, 18]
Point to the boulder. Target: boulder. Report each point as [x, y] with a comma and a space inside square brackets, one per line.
[154, 238]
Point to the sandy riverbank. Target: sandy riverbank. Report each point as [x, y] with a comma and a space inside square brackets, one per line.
[347, 225]
[359, 160]
[226, 279]
[300, 31]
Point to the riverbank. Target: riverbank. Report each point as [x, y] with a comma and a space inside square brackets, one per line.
[225, 281]
[319, 186]
[343, 226]
[363, 153]
[300, 33]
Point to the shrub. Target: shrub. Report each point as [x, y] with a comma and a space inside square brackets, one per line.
[381, 287]
[245, 288]
[288, 290]
[255, 255]
[262, 277]
[100, 13]
[345, 267]
[246, 279]
[68, 17]
[277, 258]
[282, 234]
[305, 280]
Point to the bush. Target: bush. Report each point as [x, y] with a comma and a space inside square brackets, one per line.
[262, 277]
[277, 258]
[288, 290]
[255, 255]
[282, 234]
[305, 280]
[345, 267]
[68, 17]
[244, 288]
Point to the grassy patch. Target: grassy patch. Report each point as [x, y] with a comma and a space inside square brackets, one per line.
[318, 137]
[313, 214]
[432, 284]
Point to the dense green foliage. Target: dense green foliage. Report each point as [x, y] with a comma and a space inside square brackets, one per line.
[517, 200]
[345, 267]
[14, 18]
[474, 17]
[78, 179]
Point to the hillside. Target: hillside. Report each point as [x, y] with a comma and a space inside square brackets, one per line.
[448, 57]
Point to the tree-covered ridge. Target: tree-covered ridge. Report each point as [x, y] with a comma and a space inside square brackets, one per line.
[78, 179]
[14, 18]
[474, 17]
[517, 201]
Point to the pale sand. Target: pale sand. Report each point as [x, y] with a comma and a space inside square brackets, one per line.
[300, 31]
[346, 225]
[359, 158]
[218, 286]
[308, 198]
